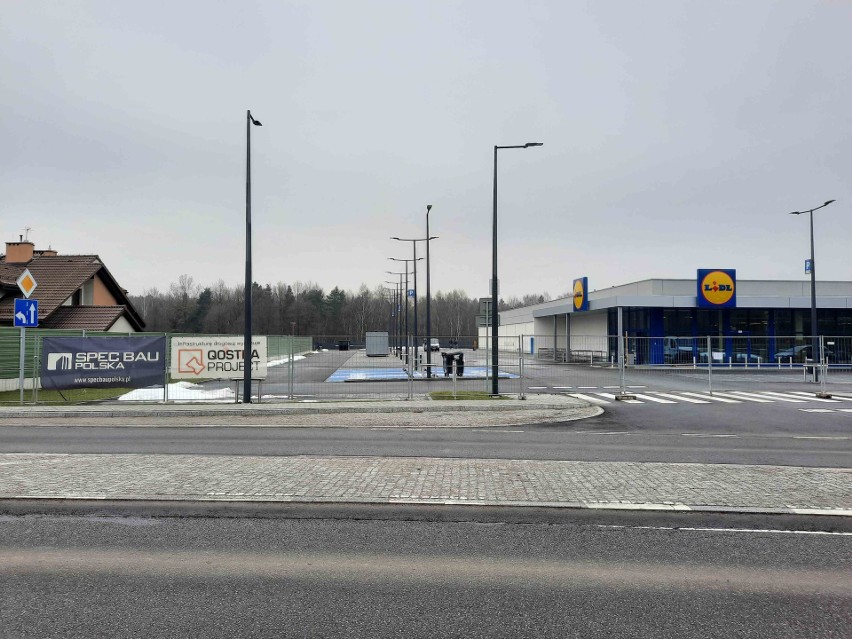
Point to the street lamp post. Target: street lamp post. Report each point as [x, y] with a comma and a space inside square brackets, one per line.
[395, 307]
[414, 242]
[428, 301]
[247, 338]
[399, 308]
[495, 387]
[407, 354]
[817, 355]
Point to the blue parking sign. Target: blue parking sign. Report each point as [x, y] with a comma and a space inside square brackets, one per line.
[26, 313]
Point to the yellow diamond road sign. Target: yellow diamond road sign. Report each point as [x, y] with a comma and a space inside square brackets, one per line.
[27, 283]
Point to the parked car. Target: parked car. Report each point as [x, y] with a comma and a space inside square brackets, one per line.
[434, 344]
[800, 354]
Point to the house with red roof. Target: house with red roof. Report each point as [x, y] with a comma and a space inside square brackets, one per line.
[74, 291]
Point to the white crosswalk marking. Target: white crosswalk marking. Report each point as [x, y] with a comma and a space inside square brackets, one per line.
[727, 397]
[651, 398]
[763, 397]
[744, 398]
[835, 399]
[612, 397]
[714, 398]
[684, 399]
[795, 398]
[589, 398]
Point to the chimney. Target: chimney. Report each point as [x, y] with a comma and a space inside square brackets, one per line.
[19, 252]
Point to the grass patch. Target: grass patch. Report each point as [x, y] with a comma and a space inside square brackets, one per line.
[442, 395]
[71, 395]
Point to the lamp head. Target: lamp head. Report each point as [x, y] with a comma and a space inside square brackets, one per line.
[529, 144]
[829, 202]
[428, 207]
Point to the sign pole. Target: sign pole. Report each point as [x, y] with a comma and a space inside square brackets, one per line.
[21, 363]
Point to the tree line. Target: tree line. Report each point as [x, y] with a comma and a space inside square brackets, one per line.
[304, 308]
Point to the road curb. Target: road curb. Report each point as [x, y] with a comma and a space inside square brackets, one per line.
[7, 504]
[251, 410]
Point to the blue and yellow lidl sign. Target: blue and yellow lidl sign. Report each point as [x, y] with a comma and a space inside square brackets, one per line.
[717, 288]
[581, 294]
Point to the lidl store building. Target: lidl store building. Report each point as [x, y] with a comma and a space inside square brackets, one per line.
[761, 318]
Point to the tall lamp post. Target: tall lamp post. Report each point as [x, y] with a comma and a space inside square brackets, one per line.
[395, 308]
[247, 339]
[428, 301]
[495, 359]
[414, 242]
[399, 308]
[415, 260]
[817, 355]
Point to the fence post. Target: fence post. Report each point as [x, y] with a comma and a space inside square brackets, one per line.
[521, 363]
[487, 360]
[823, 364]
[454, 378]
[710, 363]
[409, 339]
[167, 363]
[36, 368]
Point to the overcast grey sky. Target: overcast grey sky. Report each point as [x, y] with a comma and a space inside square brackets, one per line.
[677, 135]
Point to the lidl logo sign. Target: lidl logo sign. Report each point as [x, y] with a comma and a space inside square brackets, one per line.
[581, 294]
[717, 288]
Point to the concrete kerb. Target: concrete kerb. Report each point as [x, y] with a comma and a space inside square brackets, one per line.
[564, 409]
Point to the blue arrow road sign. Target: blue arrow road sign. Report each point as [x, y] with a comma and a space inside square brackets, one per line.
[26, 313]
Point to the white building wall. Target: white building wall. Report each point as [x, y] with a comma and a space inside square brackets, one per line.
[122, 326]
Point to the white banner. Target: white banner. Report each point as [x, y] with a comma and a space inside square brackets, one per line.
[216, 357]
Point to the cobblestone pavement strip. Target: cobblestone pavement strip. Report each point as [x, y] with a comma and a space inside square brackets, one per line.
[420, 480]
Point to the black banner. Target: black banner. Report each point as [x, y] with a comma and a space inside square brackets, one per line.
[102, 362]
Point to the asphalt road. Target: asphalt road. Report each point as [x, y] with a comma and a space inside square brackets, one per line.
[420, 575]
[778, 434]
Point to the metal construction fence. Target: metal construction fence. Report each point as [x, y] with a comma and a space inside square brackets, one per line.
[318, 368]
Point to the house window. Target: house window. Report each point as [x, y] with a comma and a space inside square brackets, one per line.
[87, 291]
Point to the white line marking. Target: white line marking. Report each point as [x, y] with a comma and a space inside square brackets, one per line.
[562, 387]
[781, 397]
[624, 401]
[818, 436]
[765, 531]
[800, 398]
[684, 399]
[536, 387]
[712, 397]
[595, 432]
[587, 387]
[747, 397]
[637, 387]
[844, 410]
[651, 398]
[589, 398]
[817, 410]
[835, 398]
[706, 435]
[610, 387]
